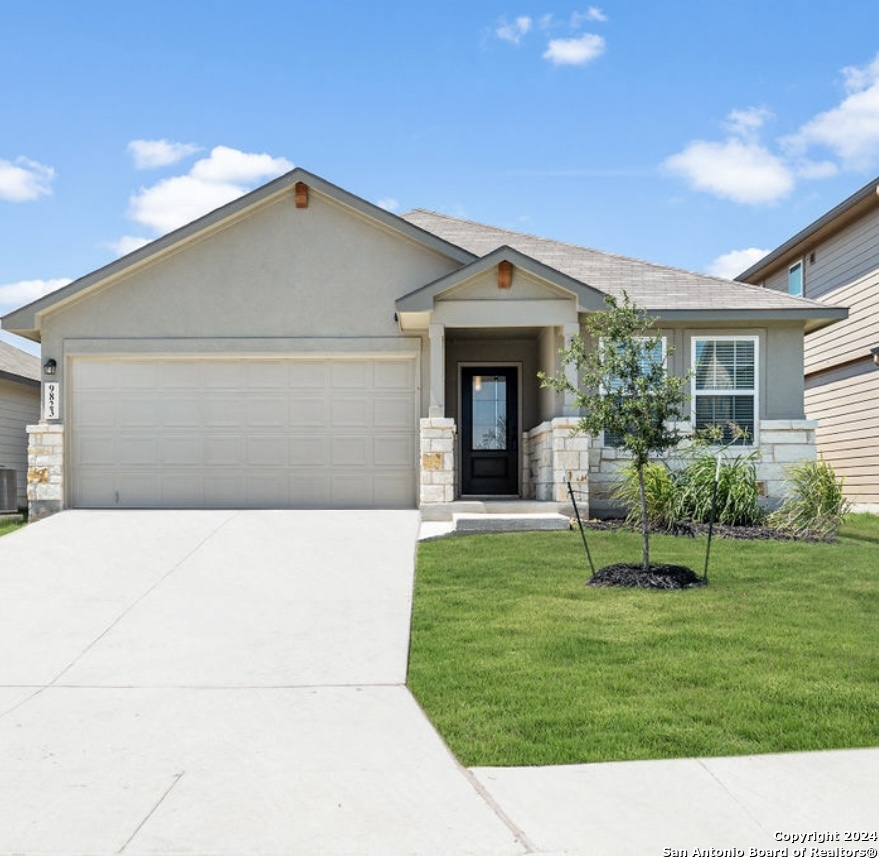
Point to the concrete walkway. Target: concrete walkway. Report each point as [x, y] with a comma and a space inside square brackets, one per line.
[215, 682]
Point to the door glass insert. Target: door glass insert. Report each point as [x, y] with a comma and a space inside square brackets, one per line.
[489, 413]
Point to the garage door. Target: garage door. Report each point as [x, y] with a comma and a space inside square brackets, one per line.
[254, 433]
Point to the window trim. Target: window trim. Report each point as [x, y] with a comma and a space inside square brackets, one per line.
[754, 442]
[664, 344]
[800, 267]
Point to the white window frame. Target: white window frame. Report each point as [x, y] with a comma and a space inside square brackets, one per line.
[754, 442]
[664, 341]
[801, 266]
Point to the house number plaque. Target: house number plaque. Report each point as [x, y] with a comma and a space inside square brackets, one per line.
[51, 400]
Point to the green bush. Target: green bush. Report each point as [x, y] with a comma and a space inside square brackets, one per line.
[660, 489]
[686, 494]
[816, 505]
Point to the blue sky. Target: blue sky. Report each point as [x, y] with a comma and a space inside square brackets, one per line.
[676, 131]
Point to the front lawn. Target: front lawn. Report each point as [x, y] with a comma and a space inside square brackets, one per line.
[518, 663]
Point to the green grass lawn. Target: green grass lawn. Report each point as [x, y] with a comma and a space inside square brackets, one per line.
[517, 662]
[6, 528]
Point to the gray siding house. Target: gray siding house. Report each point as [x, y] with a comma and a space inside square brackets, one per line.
[19, 407]
[301, 347]
[836, 260]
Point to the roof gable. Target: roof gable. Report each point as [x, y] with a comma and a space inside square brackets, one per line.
[551, 282]
[25, 320]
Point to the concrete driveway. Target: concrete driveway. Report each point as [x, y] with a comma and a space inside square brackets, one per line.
[216, 682]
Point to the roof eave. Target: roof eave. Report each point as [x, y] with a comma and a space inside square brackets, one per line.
[862, 200]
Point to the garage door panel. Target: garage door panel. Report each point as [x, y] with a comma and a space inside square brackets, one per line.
[396, 451]
[394, 412]
[241, 432]
[139, 449]
[266, 451]
[351, 374]
[309, 451]
[265, 412]
[348, 412]
[308, 411]
[308, 375]
[178, 411]
[395, 374]
[181, 451]
[181, 490]
[132, 487]
[223, 450]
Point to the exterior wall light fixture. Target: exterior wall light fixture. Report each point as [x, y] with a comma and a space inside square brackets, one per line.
[50, 367]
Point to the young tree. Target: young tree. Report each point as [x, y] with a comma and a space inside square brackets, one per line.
[624, 389]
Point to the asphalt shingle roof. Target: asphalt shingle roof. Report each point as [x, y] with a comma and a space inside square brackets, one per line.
[16, 362]
[649, 285]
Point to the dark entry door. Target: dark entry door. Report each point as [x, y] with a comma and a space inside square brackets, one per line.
[489, 431]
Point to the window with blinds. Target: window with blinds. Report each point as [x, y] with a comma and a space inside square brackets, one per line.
[725, 386]
[651, 357]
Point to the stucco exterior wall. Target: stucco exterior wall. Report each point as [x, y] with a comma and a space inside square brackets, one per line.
[279, 272]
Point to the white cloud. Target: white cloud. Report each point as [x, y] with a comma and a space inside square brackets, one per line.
[514, 32]
[388, 203]
[851, 129]
[24, 179]
[159, 153]
[738, 170]
[24, 292]
[735, 262]
[575, 52]
[593, 13]
[212, 182]
[746, 123]
[127, 244]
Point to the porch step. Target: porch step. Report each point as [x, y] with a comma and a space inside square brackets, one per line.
[480, 523]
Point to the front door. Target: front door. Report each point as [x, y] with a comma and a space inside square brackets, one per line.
[489, 431]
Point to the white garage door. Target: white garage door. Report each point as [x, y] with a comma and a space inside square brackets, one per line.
[255, 433]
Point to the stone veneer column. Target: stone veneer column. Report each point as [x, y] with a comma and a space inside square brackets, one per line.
[437, 461]
[556, 455]
[45, 470]
[783, 444]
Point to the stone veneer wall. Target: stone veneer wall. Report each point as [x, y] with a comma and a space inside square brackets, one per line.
[783, 443]
[554, 456]
[45, 472]
[437, 484]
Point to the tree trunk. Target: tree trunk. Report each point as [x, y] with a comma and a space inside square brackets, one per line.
[645, 525]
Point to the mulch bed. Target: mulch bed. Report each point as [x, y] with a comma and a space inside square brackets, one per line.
[694, 529]
[665, 576]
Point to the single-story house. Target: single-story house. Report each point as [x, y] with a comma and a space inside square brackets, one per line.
[19, 407]
[836, 260]
[301, 347]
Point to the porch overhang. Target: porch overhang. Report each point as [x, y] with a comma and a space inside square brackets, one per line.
[505, 289]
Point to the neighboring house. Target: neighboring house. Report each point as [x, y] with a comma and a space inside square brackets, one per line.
[19, 407]
[836, 260]
[300, 347]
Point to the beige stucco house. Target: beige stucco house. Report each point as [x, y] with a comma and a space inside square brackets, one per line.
[19, 407]
[836, 260]
[301, 347]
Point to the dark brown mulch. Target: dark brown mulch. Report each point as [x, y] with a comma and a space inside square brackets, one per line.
[688, 529]
[665, 576]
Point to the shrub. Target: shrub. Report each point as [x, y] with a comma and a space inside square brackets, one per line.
[660, 488]
[686, 494]
[816, 505]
